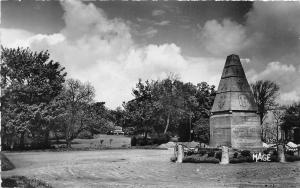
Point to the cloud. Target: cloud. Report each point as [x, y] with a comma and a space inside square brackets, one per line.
[148, 32]
[95, 48]
[158, 12]
[285, 75]
[221, 39]
[101, 50]
[15, 37]
[269, 39]
[274, 29]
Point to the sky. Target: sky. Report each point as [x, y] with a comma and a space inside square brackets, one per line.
[113, 44]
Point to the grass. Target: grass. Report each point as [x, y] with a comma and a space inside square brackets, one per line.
[22, 181]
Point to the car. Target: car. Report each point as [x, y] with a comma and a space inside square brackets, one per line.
[118, 132]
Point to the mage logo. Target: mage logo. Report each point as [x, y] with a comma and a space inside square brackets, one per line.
[261, 157]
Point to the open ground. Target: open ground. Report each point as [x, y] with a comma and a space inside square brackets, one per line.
[145, 168]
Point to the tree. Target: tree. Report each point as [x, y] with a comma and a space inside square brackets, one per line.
[278, 116]
[169, 106]
[265, 93]
[28, 79]
[201, 128]
[291, 119]
[96, 117]
[75, 98]
[142, 109]
[170, 98]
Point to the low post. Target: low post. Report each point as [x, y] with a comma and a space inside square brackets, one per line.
[281, 154]
[180, 153]
[225, 155]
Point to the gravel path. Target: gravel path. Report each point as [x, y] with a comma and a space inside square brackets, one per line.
[146, 168]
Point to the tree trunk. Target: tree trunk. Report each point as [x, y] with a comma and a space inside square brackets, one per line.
[168, 122]
[146, 135]
[22, 140]
[277, 135]
[46, 138]
[56, 137]
[68, 142]
[262, 128]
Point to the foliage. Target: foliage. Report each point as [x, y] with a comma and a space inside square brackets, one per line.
[291, 119]
[85, 135]
[201, 129]
[6, 164]
[170, 107]
[219, 155]
[246, 153]
[241, 159]
[29, 81]
[173, 159]
[22, 181]
[292, 158]
[133, 141]
[200, 159]
[235, 155]
[265, 93]
[211, 154]
[75, 99]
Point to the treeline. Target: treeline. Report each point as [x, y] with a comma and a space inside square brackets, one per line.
[38, 104]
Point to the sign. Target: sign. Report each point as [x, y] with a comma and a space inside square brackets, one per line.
[261, 157]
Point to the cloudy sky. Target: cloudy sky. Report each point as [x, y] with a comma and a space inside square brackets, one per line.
[112, 44]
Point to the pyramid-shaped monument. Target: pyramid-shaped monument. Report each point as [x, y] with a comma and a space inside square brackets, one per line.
[234, 121]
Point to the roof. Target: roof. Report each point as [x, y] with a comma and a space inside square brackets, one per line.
[234, 92]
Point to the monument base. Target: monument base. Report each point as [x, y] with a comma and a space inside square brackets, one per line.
[238, 130]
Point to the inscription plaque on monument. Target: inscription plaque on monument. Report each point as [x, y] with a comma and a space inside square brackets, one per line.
[234, 121]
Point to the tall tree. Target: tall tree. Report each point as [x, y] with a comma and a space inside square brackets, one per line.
[265, 93]
[75, 98]
[28, 79]
[278, 117]
[142, 110]
[291, 119]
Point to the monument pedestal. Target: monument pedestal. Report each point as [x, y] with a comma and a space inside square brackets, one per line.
[238, 130]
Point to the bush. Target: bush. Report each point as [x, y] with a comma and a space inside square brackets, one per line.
[200, 159]
[235, 155]
[274, 158]
[241, 159]
[218, 155]
[133, 141]
[202, 152]
[291, 158]
[246, 153]
[160, 140]
[85, 135]
[173, 159]
[22, 181]
[141, 141]
[211, 154]
[6, 164]
[290, 152]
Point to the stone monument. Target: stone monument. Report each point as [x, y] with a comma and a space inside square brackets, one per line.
[234, 121]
